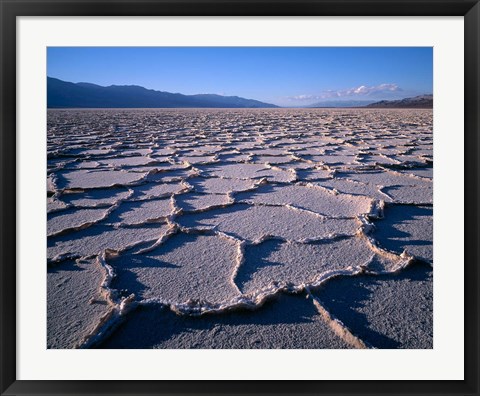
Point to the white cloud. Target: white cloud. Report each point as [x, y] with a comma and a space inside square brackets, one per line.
[361, 90]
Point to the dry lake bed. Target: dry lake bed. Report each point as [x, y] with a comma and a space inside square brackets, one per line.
[240, 228]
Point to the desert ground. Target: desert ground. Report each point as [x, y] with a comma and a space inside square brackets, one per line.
[240, 228]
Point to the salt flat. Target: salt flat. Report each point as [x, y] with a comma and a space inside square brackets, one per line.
[240, 228]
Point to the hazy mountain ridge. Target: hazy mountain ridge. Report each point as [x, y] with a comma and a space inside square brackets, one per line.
[63, 94]
[417, 102]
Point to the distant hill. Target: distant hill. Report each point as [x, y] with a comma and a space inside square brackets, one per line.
[417, 102]
[62, 94]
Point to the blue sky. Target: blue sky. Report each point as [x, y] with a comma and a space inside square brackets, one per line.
[286, 76]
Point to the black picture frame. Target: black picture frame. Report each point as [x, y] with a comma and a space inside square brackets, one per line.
[10, 9]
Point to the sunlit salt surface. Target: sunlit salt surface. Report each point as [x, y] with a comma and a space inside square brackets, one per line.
[184, 267]
[275, 228]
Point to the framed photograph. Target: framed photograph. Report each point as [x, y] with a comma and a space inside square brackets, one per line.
[241, 197]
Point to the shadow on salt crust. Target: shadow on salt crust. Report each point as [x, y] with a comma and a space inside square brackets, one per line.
[386, 311]
[407, 227]
[286, 322]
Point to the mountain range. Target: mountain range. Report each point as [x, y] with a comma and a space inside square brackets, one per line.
[417, 102]
[63, 94]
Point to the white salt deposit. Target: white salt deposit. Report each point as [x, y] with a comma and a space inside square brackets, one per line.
[75, 305]
[54, 205]
[97, 197]
[215, 185]
[158, 190]
[126, 161]
[73, 219]
[299, 263]
[200, 202]
[130, 213]
[248, 171]
[96, 239]
[185, 267]
[313, 198]
[256, 222]
[84, 179]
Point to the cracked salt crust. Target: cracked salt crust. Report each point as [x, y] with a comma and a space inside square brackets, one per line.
[224, 210]
[297, 263]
